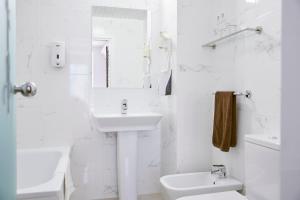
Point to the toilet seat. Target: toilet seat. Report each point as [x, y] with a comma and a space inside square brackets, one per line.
[231, 195]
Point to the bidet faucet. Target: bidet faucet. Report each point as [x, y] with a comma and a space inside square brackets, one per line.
[124, 106]
[219, 170]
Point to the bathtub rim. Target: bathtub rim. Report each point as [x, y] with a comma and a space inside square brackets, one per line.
[52, 186]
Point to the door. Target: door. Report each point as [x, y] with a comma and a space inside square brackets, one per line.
[7, 111]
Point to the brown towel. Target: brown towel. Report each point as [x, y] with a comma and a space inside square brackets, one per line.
[224, 133]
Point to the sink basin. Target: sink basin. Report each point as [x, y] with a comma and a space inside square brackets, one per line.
[128, 122]
[127, 127]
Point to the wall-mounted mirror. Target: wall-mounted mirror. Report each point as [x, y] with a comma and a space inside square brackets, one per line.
[120, 48]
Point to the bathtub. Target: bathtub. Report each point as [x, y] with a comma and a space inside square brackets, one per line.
[41, 173]
[180, 185]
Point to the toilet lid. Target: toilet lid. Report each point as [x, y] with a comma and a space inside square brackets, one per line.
[232, 195]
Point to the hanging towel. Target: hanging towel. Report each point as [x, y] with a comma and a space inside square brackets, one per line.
[224, 129]
[165, 83]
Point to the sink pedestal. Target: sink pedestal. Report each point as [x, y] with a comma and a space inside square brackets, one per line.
[127, 126]
[127, 165]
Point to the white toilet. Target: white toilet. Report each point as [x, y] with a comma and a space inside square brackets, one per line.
[262, 157]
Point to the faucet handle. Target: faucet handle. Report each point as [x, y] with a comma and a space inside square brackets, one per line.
[218, 166]
[220, 170]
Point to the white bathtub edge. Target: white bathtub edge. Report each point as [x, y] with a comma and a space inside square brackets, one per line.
[52, 186]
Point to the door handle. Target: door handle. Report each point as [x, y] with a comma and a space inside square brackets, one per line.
[27, 89]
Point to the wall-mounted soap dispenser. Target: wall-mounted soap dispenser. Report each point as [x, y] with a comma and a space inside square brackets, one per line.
[58, 54]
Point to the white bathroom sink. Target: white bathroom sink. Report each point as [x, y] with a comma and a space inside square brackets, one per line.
[128, 122]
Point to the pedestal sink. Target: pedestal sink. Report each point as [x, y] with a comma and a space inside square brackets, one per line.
[127, 127]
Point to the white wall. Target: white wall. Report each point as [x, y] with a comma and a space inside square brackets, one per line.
[290, 158]
[250, 62]
[59, 114]
[246, 62]
[194, 82]
[168, 103]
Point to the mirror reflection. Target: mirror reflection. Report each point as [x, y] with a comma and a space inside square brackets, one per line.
[119, 47]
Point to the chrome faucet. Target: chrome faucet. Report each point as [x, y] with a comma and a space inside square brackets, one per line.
[219, 170]
[124, 106]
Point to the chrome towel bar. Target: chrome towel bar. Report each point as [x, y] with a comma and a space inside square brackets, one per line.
[247, 94]
[213, 44]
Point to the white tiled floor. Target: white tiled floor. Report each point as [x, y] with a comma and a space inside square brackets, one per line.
[145, 197]
[151, 197]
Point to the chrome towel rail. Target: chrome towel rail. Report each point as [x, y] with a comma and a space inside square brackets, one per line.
[213, 44]
[246, 93]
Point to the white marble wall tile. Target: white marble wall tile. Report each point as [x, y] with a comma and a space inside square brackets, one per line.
[168, 103]
[194, 80]
[256, 67]
[246, 62]
[60, 113]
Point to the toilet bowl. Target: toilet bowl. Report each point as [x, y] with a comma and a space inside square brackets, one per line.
[231, 195]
